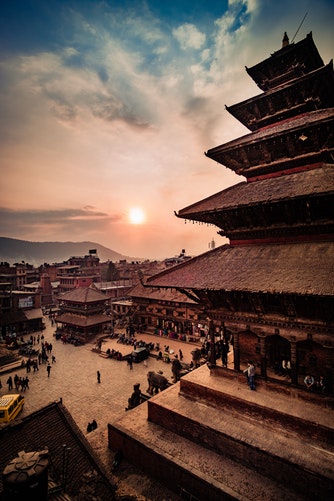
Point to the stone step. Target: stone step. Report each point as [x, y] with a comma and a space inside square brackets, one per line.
[300, 417]
[7, 359]
[186, 467]
[279, 453]
[11, 366]
[199, 413]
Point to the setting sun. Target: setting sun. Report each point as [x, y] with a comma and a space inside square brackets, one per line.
[136, 215]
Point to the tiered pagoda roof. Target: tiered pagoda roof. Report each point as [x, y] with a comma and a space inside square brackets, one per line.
[304, 200]
[289, 145]
[287, 159]
[290, 62]
[280, 221]
[310, 92]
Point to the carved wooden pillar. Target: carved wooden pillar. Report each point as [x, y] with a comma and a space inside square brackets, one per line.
[236, 351]
[293, 361]
[263, 358]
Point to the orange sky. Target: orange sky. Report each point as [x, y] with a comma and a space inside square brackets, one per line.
[105, 109]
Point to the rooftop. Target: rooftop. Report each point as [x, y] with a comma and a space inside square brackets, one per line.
[51, 427]
[306, 183]
[293, 268]
[83, 295]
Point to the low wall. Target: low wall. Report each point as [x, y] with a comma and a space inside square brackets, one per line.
[168, 472]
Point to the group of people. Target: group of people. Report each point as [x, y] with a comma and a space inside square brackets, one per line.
[43, 356]
[20, 383]
[115, 354]
[91, 426]
[31, 363]
[309, 381]
[283, 368]
[315, 384]
[34, 339]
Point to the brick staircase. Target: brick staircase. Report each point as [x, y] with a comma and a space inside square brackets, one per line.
[210, 437]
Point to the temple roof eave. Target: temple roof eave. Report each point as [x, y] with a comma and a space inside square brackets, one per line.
[311, 183]
[322, 78]
[82, 320]
[280, 142]
[288, 126]
[307, 270]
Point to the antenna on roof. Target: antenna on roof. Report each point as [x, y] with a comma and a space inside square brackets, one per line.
[299, 27]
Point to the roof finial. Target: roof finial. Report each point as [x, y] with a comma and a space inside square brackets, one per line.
[285, 41]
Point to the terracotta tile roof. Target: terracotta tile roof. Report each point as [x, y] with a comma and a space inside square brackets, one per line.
[139, 291]
[301, 268]
[289, 126]
[83, 295]
[307, 183]
[50, 428]
[33, 313]
[82, 320]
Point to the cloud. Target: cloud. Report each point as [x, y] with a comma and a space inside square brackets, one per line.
[118, 109]
[31, 223]
[189, 37]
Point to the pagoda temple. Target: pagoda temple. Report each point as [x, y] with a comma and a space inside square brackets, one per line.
[272, 285]
[271, 288]
[82, 313]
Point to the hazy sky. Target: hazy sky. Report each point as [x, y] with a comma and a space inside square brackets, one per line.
[110, 105]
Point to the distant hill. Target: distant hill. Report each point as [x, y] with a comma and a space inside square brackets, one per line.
[37, 253]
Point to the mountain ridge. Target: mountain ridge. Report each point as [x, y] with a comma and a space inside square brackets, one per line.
[13, 250]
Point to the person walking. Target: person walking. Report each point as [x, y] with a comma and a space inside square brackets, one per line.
[98, 377]
[250, 372]
[48, 368]
[10, 383]
[25, 384]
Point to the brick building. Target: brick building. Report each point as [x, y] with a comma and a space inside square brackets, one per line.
[80, 271]
[167, 313]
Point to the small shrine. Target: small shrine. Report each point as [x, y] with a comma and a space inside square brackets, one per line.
[82, 313]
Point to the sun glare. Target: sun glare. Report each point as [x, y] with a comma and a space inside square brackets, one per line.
[136, 215]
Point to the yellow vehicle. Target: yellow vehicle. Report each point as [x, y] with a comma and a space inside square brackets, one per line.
[10, 406]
